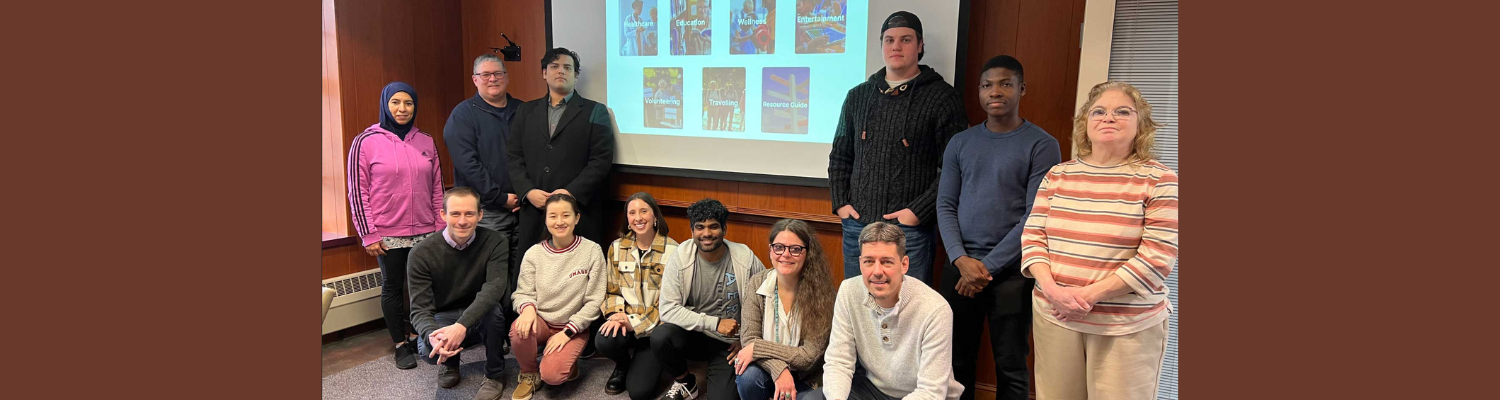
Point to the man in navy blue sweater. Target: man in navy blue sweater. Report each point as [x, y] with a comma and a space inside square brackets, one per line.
[475, 133]
[990, 176]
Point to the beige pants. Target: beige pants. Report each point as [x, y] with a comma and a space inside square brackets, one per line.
[1078, 366]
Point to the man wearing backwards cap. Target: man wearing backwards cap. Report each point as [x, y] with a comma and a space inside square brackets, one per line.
[888, 149]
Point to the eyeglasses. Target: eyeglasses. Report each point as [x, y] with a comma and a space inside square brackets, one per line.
[1120, 113]
[490, 75]
[779, 248]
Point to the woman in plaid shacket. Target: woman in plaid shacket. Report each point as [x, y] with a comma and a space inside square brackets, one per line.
[630, 300]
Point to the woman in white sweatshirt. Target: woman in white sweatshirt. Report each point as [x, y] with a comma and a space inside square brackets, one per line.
[558, 294]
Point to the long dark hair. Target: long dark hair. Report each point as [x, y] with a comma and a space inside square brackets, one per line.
[547, 233]
[661, 222]
[815, 292]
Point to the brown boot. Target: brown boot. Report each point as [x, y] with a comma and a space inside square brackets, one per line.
[527, 385]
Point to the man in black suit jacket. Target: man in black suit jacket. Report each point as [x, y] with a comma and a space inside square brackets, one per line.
[561, 143]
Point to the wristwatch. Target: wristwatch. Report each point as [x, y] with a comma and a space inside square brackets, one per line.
[569, 332]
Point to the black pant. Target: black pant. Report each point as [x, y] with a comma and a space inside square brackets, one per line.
[1006, 305]
[644, 370]
[393, 293]
[504, 222]
[674, 346]
[491, 330]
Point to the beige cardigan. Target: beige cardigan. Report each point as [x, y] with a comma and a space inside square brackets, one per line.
[806, 361]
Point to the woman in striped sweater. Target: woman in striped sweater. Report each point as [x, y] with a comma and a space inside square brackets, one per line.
[558, 294]
[1100, 241]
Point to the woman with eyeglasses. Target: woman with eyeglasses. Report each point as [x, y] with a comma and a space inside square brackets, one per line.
[395, 196]
[1100, 241]
[631, 296]
[788, 320]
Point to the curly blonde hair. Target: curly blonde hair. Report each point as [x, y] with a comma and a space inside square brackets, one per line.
[1143, 149]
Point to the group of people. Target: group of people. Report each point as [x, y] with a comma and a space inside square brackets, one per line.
[1074, 254]
[723, 102]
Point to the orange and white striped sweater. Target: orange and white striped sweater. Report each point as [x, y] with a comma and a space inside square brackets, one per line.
[1089, 222]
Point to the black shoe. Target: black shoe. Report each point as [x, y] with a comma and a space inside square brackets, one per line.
[448, 376]
[406, 355]
[616, 383]
[683, 390]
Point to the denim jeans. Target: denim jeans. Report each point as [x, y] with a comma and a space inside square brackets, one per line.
[918, 248]
[757, 384]
[490, 331]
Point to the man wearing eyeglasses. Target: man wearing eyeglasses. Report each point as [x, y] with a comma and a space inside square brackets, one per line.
[475, 134]
[561, 143]
[990, 176]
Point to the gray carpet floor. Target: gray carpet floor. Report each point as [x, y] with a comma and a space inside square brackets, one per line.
[380, 379]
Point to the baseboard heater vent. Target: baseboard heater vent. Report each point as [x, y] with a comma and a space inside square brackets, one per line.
[357, 301]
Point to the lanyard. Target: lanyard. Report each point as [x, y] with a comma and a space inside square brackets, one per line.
[776, 311]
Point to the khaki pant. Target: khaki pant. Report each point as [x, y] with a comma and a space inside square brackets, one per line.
[1078, 366]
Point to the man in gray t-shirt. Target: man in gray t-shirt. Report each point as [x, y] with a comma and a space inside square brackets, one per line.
[714, 291]
[700, 304]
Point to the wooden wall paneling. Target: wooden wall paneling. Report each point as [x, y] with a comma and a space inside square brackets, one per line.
[381, 41]
[334, 208]
[344, 260]
[524, 22]
[992, 32]
[438, 71]
[1069, 105]
[1047, 46]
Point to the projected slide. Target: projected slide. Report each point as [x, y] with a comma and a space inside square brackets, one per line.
[638, 28]
[754, 28]
[775, 70]
[820, 26]
[663, 97]
[784, 100]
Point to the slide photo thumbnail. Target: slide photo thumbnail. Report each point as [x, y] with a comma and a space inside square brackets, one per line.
[638, 26]
[784, 98]
[663, 97]
[690, 27]
[821, 26]
[724, 99]
[753, 23]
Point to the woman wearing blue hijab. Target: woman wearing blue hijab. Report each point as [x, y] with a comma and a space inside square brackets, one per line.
[395, 196]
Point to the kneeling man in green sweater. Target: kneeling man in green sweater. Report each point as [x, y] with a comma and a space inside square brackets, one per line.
[899, 331]
[457, 285]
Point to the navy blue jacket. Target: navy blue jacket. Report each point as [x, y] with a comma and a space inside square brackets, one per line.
[475, 134]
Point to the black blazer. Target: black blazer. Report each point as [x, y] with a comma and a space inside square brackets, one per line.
[578, 159]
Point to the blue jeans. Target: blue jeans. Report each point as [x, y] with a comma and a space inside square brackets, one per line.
[860, 388]
[757, 384]
[918, 248]
[490, 331]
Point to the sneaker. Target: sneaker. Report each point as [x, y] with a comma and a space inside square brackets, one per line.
[526, 385]
[616, 383]
[683, 390]
[406, 355]
[448, 377]
[491, 389]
